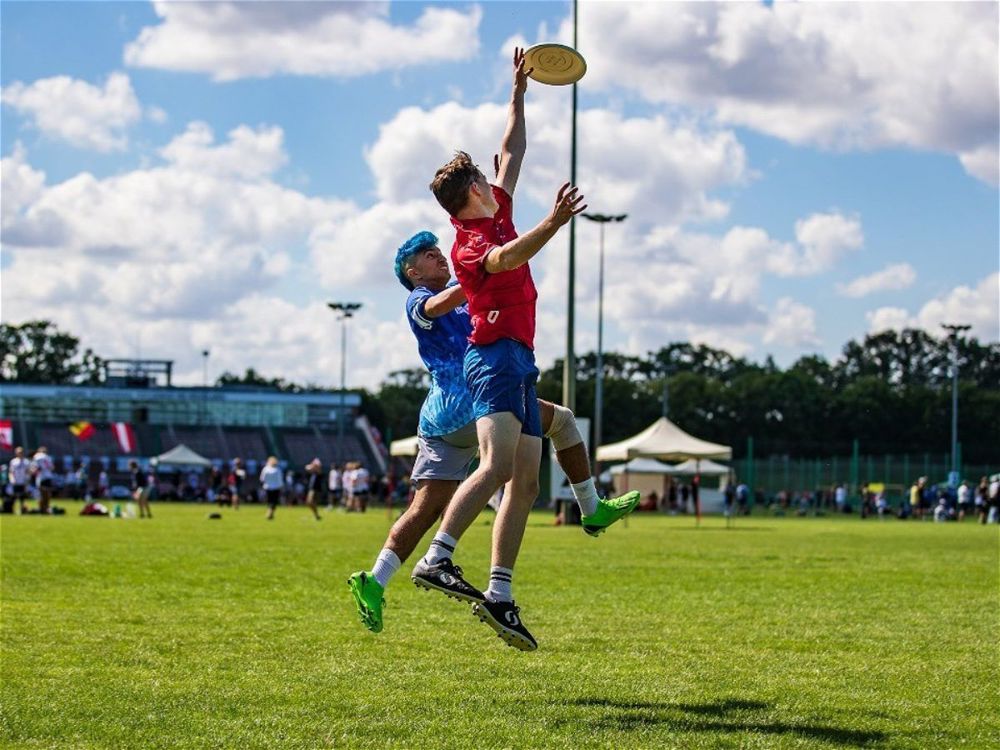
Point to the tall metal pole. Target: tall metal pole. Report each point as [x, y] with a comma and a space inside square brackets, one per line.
[343, 377]
[601, 220]
[569, 365]
[599, 365]
[344, 310]
[953, 333]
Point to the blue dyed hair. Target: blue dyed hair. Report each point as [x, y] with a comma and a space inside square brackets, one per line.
[418, 242]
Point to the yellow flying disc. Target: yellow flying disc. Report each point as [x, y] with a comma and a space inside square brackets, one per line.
[555, 64]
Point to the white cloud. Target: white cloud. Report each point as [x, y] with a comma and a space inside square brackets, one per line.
[248, 154]
[892, 277]
[232, 40]
[791, 324]
[977, 306]
[663, 170]
[839, 75]
[77, 112]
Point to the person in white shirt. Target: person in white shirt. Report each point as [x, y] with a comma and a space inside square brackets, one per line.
[964, 499]
[840, 497]
[102, 484]
[19, 471]
[43, 469]
[272, 481]
[361, 488]
[334, 487]
[348, 481]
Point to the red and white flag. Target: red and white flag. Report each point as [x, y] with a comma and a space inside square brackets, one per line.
[6, 434]
[125, 436]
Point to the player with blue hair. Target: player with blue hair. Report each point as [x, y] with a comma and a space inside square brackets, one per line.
[439, 318]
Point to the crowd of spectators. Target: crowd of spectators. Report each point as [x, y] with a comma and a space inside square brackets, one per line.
[28, 484]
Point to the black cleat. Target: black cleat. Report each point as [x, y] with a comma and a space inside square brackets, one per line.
[446, 577]
[505, 619]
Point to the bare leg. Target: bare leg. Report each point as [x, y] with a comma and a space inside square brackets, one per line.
[498, 440]
[519, 497]
[573, 460]
[429, 501]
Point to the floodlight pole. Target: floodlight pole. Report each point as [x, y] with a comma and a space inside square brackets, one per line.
[953, 333]
[569, 364]
[601, 220]
[344, 310]
[204, 385]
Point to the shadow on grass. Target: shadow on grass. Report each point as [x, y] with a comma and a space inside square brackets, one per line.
[716, 716]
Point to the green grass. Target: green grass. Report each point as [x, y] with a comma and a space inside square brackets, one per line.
[185, 632]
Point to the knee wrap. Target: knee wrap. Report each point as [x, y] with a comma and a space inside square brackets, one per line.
[563, 433]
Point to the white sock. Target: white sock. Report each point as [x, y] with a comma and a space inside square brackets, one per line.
[386, 565]
[500, 585]
[586, 496]
[442, 547]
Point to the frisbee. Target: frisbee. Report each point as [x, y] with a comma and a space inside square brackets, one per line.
[555, 64]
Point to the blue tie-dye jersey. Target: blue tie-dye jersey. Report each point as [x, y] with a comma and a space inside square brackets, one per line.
[442, 342]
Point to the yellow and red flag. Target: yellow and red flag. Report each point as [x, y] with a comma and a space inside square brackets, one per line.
[82, 430]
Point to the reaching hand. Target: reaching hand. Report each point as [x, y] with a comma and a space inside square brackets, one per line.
[567, 204]
[520, 74]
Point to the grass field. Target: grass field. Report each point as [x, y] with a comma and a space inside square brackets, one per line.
[185, 632]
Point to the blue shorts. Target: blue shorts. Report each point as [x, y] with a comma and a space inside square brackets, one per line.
[501, 377]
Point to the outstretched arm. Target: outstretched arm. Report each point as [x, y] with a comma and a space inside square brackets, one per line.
[444, 302]
[519, 251]
[515, 140]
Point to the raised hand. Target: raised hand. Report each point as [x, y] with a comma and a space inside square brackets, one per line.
[520, 74]
[568, 204]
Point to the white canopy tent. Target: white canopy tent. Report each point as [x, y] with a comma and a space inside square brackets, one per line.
[180, 455]
[405, 447]
[665, 441]
[706, 468]
[643, 466]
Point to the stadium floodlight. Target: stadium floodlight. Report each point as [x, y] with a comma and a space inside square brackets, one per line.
[954, 331]
[601, 220]
[344, 311]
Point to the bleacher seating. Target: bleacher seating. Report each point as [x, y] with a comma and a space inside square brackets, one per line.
[203, 440]
[61, 442]
[248, 443]
[305, 444]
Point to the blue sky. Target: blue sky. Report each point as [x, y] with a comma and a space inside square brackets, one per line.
[200, 176]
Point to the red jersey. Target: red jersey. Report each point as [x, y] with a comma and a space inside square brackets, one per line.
[501, 305]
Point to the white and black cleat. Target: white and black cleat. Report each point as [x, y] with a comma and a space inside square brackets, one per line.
[446, 577]
[505, 619]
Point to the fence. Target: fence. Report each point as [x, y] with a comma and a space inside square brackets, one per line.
[896, 472]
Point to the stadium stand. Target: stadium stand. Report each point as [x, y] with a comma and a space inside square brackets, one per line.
[61, 442]
[303, 445]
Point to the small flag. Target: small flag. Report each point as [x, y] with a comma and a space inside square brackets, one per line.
[82, 430]
[125, 436]
[6, 434]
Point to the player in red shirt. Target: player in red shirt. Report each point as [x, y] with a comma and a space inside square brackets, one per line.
[491, 264]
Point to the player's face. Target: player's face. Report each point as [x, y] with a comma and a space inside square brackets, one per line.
[432, 268]
[486, 194]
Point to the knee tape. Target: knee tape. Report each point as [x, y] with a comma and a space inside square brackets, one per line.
[563, 432]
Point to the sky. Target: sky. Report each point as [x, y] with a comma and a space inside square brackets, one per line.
[184, 176]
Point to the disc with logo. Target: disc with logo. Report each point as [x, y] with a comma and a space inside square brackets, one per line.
[555, 64]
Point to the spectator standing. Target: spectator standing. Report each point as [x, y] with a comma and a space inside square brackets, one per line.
[964, 499]
[43, 470]
[19, 471]
[982, 499]
[237, 478]
[103, 484]
[994, 500]
[881, 504]
[272, 481]
[743, 499]
[314, 486]
[334, 487]
[685, 495]
[361, 486]
[348, 482]
[140, 489]
[840, 497]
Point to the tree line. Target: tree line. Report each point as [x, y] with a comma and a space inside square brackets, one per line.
[890, 390]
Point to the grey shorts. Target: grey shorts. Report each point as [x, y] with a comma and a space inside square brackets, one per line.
[446, 457]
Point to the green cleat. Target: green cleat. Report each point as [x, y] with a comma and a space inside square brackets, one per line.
[367, 594]
[609, 511]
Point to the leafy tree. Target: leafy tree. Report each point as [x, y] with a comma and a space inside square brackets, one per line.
[38, 352]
